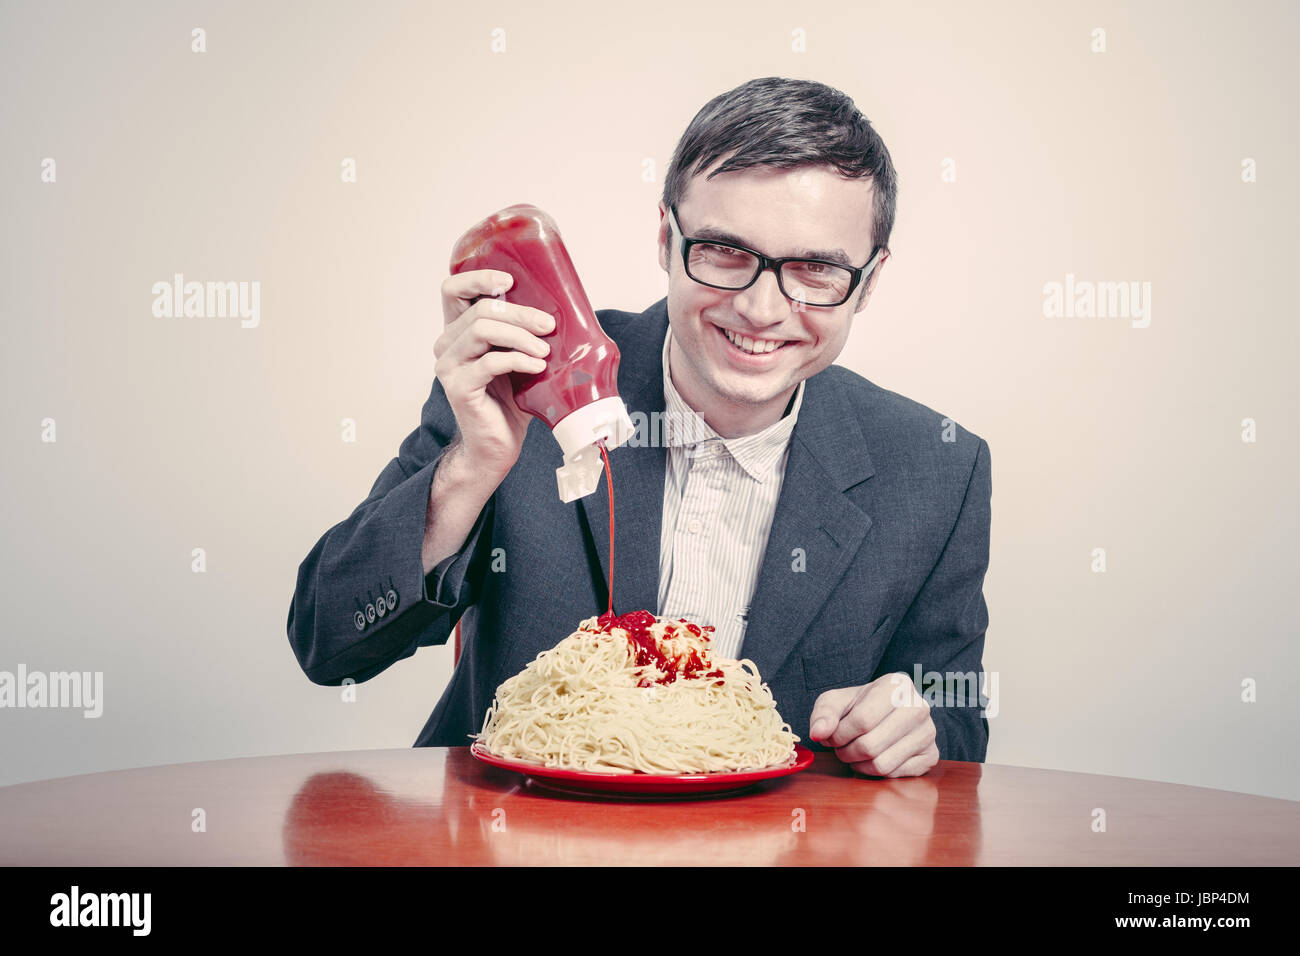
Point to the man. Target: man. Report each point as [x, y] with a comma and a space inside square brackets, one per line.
[833, 532]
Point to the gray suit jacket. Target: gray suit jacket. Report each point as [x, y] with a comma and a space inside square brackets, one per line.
[892, 520]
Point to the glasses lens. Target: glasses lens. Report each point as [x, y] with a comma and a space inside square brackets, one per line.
[816, 283]
[721, 265]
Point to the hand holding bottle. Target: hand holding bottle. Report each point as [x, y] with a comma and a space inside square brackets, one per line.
[484, 339]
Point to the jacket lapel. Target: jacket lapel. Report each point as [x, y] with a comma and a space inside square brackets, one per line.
[638, 468]
[816, 530]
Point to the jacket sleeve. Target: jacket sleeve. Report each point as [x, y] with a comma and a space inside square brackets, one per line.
[362, 600]
[944, 628]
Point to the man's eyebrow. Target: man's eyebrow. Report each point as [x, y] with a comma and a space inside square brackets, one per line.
[722, 235]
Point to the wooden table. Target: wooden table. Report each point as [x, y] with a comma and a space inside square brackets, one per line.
[435, 806]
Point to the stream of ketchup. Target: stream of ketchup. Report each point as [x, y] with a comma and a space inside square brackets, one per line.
[609, 483]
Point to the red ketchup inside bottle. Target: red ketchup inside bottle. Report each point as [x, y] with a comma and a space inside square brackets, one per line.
[582, 366]
[576, 394]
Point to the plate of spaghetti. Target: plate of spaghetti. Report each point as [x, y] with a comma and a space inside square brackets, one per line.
[638, 704]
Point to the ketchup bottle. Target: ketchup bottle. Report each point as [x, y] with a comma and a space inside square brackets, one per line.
[576, 395]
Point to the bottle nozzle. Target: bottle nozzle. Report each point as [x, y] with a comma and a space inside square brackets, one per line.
[580, 473]
[604, 420]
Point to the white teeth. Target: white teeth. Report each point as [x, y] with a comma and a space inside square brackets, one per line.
[753, 346]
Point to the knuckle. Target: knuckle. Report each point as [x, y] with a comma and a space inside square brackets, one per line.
[843, 735]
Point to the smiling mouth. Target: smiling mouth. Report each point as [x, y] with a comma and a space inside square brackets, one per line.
[752, 346]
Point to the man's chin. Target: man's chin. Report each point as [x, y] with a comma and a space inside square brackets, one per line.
[752, 397]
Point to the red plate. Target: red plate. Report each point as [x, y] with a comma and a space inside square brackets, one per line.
[663, 786]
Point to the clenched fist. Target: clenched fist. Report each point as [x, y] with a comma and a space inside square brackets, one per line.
[882, 729]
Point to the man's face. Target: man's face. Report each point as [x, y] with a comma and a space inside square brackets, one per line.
[779, 212]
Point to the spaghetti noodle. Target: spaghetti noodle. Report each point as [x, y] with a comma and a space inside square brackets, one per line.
[633, 694]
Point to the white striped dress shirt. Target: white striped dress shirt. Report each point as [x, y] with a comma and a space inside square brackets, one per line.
[720, 498]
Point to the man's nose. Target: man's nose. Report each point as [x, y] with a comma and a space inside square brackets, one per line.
[763, 304]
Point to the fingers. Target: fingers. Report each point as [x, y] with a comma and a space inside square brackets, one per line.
[479, 335]
[483, 339]
[460, 291]
[466, 378]
[913, 766]
[461, 312]
[469, 350]
[901, 726]
[828, 709]
[872, 706]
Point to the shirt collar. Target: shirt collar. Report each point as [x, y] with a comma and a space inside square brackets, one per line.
[758, 453]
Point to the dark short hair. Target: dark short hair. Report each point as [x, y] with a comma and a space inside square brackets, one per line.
[774, 121]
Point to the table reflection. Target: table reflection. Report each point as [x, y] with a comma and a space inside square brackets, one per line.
[485, 816]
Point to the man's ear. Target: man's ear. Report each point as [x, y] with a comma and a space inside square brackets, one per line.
[664, 238]
[869, 286]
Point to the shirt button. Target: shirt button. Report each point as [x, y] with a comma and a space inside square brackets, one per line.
[693, 526]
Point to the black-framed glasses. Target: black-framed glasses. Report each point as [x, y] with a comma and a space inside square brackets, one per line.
[726, 265]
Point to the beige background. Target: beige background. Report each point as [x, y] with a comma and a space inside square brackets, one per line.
[183, 433]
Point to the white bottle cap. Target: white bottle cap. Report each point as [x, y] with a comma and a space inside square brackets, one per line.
[577, 433]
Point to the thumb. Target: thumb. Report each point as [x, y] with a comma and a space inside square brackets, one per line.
[827, 711]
